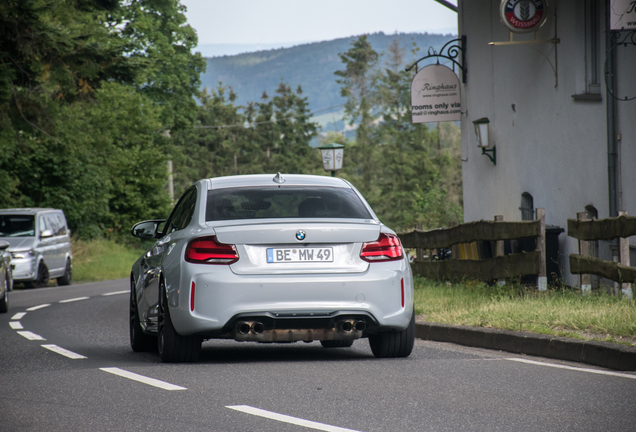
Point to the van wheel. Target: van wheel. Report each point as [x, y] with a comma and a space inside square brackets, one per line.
[172, 347]
[67, 277]
[42, 278]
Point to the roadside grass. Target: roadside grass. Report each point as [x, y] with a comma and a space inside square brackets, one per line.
[101, 259]
[560, 312]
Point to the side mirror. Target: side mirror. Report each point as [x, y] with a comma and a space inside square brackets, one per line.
[146, 229]
[46, 233]
[4, 245]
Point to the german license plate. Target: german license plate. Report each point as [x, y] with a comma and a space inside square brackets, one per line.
[292, 255]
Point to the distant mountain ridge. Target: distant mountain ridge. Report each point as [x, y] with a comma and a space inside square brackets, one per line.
[311, 66]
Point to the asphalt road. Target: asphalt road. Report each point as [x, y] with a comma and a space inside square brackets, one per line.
[261, 387]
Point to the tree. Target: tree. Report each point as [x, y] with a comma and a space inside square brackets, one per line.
[403, 175]
[359, 62]
[85, 90]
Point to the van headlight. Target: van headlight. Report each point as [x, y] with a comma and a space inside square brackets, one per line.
[22, 254]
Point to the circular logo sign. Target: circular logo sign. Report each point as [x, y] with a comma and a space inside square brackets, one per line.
[523, 16]
[300, 235]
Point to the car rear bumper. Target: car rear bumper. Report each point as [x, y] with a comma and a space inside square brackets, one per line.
[222, 299]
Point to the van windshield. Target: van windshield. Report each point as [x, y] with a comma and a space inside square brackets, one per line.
[17, 226]
[285, 202]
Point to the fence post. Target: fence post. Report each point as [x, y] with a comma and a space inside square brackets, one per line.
[584, 250]
[623, 253]
[499, 250]
[542, 278]
[419, 252]
[454, 248]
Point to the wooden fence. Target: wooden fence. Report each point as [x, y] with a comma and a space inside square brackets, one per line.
[585, 230]
[498, 268]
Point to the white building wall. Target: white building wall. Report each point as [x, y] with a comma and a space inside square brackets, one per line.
[548, 144]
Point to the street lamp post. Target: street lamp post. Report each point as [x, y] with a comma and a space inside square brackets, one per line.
[332, 155]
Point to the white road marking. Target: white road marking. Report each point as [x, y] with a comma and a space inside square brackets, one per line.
[30, 336]
[74, 299]
[288, 419]
[16, 325]
[64, 352]
[116, 292]
[38, 307]
[18, 316]
[143, 379]
[595, 371]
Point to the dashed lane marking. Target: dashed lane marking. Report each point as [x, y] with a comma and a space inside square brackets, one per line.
[18, 316]
[16, 325]
[64, 352]
[594, 371]
[30, 336]
[288, 419]
[34, 308]
[74, 299]
[143, 379]
[116, 292]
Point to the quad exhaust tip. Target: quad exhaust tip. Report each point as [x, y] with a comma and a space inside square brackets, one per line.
[245, 328]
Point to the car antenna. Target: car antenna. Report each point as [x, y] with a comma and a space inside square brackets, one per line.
[278, 178]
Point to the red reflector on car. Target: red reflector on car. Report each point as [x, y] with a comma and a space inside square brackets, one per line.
[207, 250]
[192, 298]
[401, 283]
[386, 248]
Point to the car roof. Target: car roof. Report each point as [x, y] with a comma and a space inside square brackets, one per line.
[26, 211]
[269, 180]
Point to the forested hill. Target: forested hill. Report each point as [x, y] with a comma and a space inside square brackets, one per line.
[311, 65]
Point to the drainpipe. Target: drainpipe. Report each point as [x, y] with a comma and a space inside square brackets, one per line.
[611, 121]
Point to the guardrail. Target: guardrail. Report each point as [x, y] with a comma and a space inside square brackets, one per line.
[585, 230]
[499, 267]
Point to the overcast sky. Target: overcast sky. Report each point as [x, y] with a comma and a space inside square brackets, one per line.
[289, 22]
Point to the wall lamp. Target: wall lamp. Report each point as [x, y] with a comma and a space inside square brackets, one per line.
[482, 132]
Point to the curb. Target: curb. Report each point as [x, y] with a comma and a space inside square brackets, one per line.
[604, 354]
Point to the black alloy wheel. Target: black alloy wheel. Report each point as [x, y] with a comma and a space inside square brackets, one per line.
[4, 300]
[172, 347]
[394, 343]
[67, 277]
[139, 341]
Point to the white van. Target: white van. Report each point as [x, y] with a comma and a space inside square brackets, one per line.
[40, 245]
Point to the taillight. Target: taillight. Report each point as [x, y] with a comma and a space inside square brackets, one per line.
[386, 248]
[207, 250]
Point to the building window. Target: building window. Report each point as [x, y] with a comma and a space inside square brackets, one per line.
[527, 207]
[592, 46]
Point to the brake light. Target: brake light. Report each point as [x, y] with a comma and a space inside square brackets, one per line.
[207, 250]
[386, 248]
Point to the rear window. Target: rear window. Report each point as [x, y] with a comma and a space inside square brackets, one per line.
[17, 226]
[284, 202]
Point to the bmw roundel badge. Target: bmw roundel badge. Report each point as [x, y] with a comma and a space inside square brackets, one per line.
[300, 235]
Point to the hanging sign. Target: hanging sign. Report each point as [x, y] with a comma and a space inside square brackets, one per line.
[435, 95]
[622, 15]
[523, 16]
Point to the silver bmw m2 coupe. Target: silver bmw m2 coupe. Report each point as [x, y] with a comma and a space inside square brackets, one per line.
[270, 258]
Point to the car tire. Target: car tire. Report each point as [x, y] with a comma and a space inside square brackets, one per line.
[4, 300]
[42, 278]
[67, 277]
[394, 343]
[336, 343]
[172, 347]
[139, 341]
